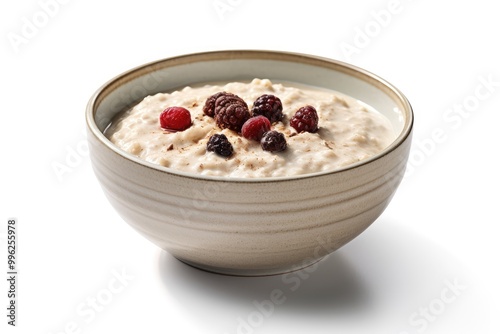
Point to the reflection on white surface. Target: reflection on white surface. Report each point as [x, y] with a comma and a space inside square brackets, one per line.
[378, 281]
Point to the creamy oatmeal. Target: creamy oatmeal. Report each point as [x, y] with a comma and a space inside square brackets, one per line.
[349, 131]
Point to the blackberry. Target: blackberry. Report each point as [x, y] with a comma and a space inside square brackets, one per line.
[269, 106]
[231, 112]
[305, 119]
[209, 107]
[219, 144]
[273, 141]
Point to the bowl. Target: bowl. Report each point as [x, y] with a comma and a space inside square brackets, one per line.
[238, 226]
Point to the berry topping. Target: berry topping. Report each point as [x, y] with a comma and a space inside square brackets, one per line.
[209, 107]
[219, 144]
[273, 141]
[175, 118]
[269, 106]
[255, 127]
[231, 112]
[305, 119]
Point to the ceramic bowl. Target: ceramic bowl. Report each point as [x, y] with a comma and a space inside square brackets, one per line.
[247, 226]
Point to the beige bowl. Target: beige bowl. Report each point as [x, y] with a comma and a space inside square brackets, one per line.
[247, 226]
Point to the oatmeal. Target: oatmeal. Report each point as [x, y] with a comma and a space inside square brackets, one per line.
[347, 132]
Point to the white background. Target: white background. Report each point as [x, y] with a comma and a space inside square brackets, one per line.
[440, 229]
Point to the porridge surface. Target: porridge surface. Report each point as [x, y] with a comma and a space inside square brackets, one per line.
[349, 131]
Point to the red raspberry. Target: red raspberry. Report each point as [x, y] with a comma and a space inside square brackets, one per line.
[305, 119]
[175, 118]
[209, 107]
[273, 141]
[255, 127]
[231, 112]
[269, 106]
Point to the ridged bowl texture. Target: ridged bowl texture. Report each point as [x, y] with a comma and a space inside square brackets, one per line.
[257, 226]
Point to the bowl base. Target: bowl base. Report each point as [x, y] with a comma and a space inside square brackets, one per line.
[247, 272]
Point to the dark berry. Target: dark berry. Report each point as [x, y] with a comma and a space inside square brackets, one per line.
[209, 107]
[255, 127]
[273, 141]
[175, 118]
[219, 144]
[305, 119]
[269, 106]
[231, 112]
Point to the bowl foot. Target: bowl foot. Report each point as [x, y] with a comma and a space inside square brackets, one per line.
[245, 272]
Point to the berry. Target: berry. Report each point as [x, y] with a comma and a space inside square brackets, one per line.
[305, 119]
[255, 127]
[175, 118]
[209, 107]
[219, 144]
[273, 141]
[231, 112]
[269, 106]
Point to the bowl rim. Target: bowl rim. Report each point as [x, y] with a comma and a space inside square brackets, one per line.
[149, 67]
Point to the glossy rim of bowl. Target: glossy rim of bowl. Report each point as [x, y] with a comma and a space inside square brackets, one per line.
[340, 66]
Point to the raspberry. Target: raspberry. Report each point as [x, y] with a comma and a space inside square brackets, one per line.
[209, 107]
[273, 141]
[219, 144]
[231, 112]
[255, 127]
[305, 119]
[175, 118]
[269, 106]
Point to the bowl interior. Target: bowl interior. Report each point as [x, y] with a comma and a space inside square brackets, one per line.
[223, 66]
